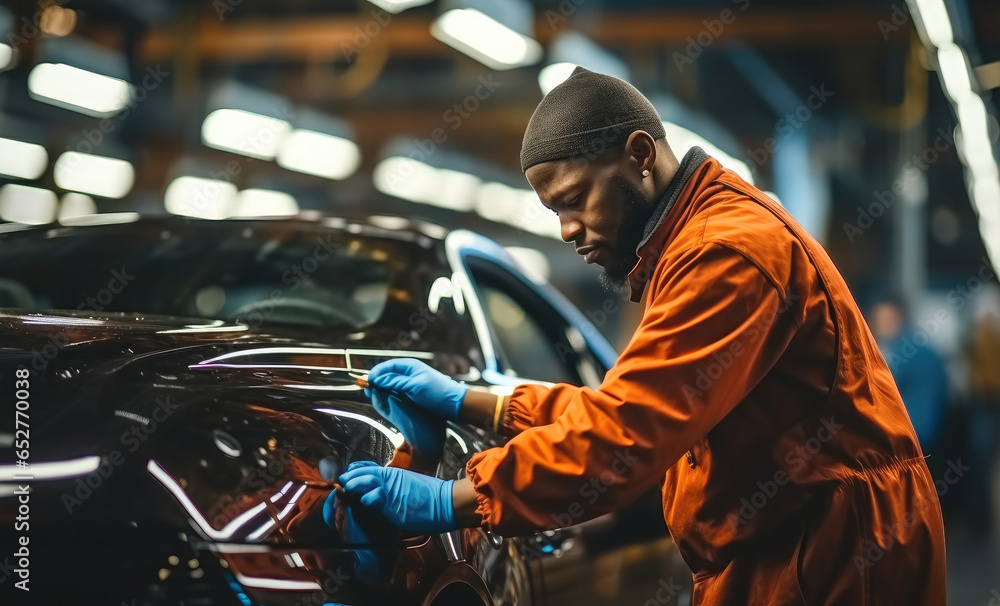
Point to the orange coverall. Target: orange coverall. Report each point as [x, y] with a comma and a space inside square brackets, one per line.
[803, 481]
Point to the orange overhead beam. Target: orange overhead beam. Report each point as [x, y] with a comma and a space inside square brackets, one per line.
[312, 38]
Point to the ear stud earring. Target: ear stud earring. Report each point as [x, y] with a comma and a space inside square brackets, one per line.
[645, 173]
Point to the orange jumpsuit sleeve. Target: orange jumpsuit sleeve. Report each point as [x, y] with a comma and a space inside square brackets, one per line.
[714, 326]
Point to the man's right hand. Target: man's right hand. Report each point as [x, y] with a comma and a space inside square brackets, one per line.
[420, 428]
[424, 386]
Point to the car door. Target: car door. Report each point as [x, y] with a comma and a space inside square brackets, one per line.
[529, 331]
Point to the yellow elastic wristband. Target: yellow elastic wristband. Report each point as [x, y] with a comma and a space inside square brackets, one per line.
[496, 413]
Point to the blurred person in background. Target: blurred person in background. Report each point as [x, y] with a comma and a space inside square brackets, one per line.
[917, 368]
[984, 409]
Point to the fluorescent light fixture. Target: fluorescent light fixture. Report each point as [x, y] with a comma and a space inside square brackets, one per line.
[22, 160]
[570, 49]
[975, 144]
[319, 154]
[553, 75]
[398, 6]
[78, 89]
[97, 175]
[954, 71]
[76, 205]
[936, 22]
[681, 140]
[6, 56]
[264, 203]
[201, 198]
[532, 261]
[243, 132]
[416, 181]
[485, 39]
[31, 205]
[520, 208]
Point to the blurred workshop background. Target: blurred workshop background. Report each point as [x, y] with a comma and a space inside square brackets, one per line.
[872, 121]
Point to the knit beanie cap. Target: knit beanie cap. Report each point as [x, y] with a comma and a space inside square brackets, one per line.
[585, 115]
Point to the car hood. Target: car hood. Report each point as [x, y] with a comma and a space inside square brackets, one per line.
[88, 370]
[215, 423]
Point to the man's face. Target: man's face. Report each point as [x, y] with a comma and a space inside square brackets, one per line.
[600, 211]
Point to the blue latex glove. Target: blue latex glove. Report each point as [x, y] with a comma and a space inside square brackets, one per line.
[426, 387]
[420, 428]
[411, 501]
[341, 518]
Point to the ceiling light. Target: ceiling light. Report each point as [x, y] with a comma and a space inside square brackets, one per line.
[570, 49]
[202, 198]
[22, 160]
[23, 204]
[936, 22]
[532, 261]
[553, 75]
[681, 140]
[97, 175]
[264, 203]
[244, 132]
[493, 33]
[78, 89]
[319, 154]
[398, 6]
[76, 205]
[415, 181]
[517, 207]
[6, 55]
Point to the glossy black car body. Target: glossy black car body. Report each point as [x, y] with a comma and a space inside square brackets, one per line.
[182, 392]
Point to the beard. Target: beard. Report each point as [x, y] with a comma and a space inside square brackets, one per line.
[633, 215]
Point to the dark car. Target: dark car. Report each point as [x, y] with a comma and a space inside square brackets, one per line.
[182, 396]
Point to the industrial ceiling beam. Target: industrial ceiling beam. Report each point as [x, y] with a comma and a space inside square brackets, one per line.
[331, 37]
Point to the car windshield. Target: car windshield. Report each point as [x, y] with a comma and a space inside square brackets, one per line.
[262, 275]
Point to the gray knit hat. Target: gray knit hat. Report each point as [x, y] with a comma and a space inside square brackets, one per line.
[585, 115]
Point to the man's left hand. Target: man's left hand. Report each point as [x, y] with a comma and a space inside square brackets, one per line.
[412, 501]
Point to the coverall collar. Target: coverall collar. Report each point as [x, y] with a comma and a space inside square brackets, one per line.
[649, 247]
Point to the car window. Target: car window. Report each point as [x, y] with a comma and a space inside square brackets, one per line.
[259, 277]
[532, 340]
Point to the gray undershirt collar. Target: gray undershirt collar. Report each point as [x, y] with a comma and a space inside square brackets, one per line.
[695, 157]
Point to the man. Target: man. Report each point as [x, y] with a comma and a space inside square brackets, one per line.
[917, 368]
[752, 390]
